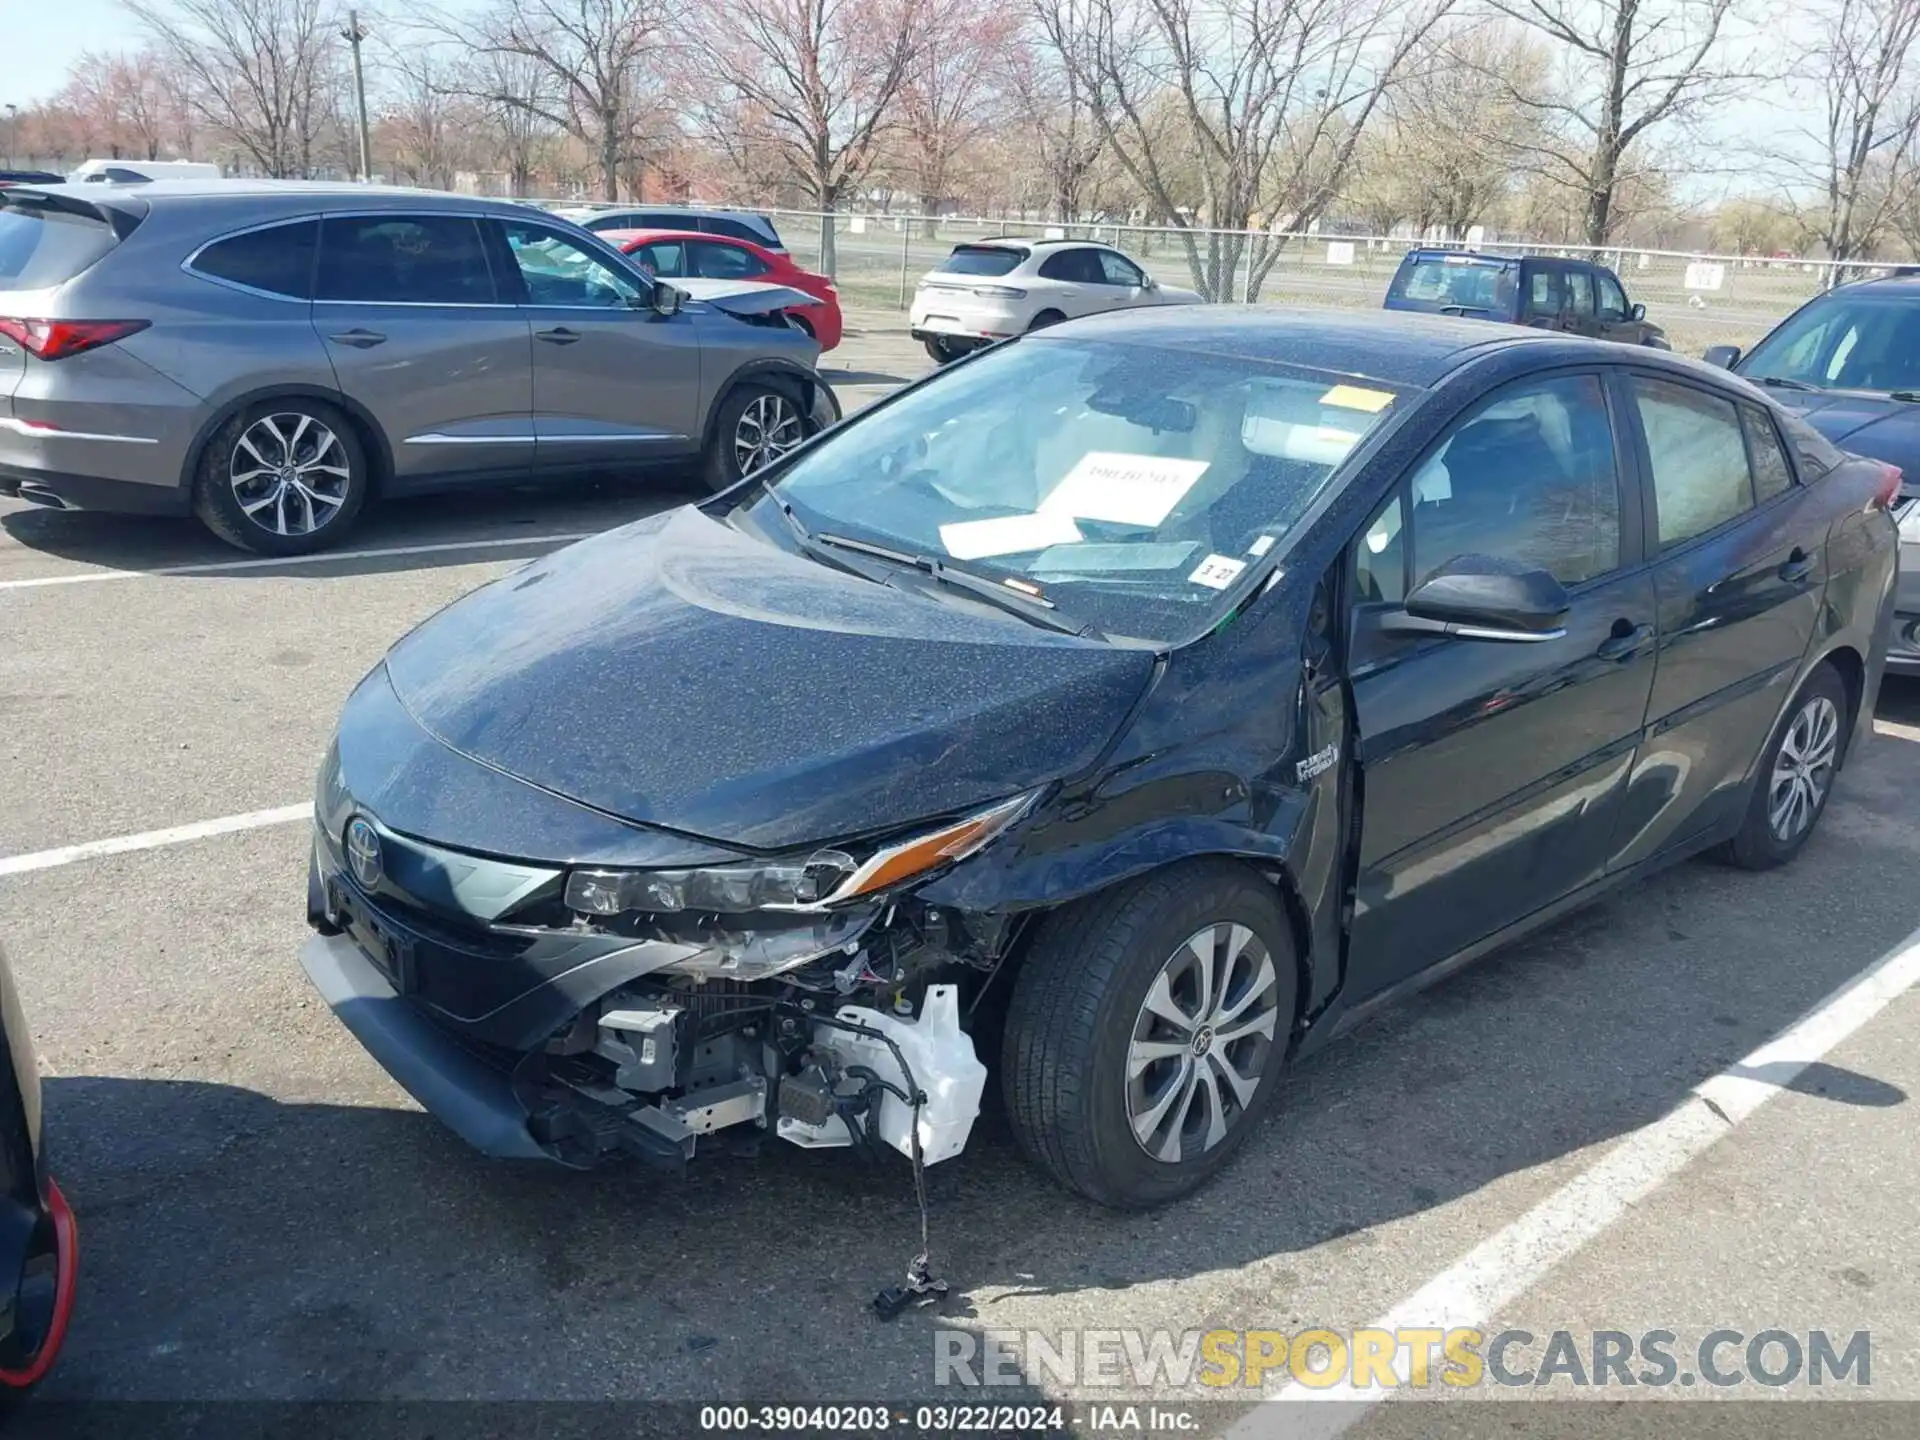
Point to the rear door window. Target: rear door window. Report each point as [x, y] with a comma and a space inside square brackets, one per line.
[40, 247]
[665, 258]
[277, 260]
[982, 260]
[1078, 265]
[1546, 293]
[1580, 292]
[714, 261]
[403, 259]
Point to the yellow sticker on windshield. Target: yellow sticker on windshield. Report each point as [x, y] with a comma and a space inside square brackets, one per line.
[1358, 397]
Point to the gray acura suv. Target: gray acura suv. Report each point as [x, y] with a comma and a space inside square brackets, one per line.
[272, 355]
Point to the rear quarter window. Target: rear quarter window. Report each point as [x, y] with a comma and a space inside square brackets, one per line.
[41, 248]
[277, 259]
[1813, 454]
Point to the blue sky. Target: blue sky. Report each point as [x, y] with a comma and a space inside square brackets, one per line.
[39, 39]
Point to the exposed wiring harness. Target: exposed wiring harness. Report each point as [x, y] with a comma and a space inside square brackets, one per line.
[920, 1286]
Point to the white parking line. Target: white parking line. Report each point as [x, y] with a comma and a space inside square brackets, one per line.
[153, 839]
[1507, 1264]
[324, 557]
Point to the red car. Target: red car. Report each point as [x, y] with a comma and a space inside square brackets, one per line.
[679, 254]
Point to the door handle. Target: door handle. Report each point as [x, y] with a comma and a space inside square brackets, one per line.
[559, 335]
[359, 339]
[1624, 644]
[1799, 565]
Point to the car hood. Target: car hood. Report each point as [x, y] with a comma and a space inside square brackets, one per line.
[743, 297]
[681, 674]
[1864, 424]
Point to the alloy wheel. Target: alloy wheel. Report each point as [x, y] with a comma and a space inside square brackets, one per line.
[290, 474]
[769, 427]
[1803, 768]
[1202, 1042]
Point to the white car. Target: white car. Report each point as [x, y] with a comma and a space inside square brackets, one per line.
[987, 290]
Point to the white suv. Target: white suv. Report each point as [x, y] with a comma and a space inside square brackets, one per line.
[987, 290]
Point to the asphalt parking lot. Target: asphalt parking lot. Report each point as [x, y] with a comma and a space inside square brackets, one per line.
[266, 1216]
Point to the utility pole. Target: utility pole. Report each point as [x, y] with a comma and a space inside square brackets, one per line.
[353, 35]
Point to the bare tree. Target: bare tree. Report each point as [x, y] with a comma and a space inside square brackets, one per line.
[1055, 116]
[954, 95]
[264, 72]
[1628, 66]
[423, 131]
[811, 81]
[1445, 153]
[1260, 103]
[585, 67]
[1857, 165]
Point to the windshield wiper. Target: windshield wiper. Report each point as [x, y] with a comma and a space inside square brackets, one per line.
[1034, 608]
[1781, 382]
[1912, 397]
[812, 546]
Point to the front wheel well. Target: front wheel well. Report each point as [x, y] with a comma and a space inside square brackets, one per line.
[1263, 868]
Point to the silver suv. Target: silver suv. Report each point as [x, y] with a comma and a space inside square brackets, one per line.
[271, 356]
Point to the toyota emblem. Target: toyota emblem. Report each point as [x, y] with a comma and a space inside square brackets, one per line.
[363, 851]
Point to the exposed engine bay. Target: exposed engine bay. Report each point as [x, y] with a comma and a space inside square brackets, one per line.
[860, 1047]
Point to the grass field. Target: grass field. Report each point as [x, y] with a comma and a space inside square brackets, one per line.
[879, 267]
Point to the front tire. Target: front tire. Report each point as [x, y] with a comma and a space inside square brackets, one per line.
[1797, 771]
[1147, 1030]
[757, 424]
[283, 477]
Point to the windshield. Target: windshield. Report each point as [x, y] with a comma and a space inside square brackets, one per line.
[981, 260]
[1129, 485]
[1845, 342]
[1443, 282]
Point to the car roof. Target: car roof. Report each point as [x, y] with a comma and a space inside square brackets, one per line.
[189, 191]
[1023, 242]
[1898, 286]
[1442, 252]
[1390, 345]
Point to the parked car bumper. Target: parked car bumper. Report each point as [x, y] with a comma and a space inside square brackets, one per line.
[1903, 650]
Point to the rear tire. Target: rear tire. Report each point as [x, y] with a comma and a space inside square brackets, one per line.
[756, 425]
[283, 477]
[942, 352]
[1796, 774]
[1044, 319]
[1115, 1082]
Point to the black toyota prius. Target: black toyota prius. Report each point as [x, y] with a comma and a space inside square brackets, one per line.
[1178, 686]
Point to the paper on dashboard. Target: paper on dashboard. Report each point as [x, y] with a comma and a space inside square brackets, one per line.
[1007, 535]
[1123, 489]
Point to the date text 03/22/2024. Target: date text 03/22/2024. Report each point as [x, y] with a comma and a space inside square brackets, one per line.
[1117, 1419]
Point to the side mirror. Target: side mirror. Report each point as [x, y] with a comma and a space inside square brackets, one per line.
[1725, 356]
[1479, 597]
[666, 300]
[1639, 312]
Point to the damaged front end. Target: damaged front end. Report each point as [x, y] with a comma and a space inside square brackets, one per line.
[584, 1012]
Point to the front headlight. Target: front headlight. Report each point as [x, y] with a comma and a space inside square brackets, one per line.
[823, 879]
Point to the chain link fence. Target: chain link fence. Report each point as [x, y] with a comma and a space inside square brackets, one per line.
[1699, 299]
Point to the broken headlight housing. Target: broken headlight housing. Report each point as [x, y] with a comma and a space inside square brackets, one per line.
[825, 878]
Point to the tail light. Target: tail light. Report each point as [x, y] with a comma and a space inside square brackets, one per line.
[1889, 491]
[57, 339]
